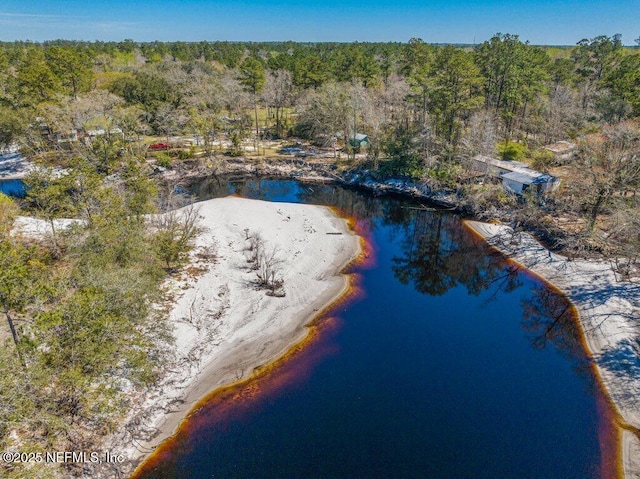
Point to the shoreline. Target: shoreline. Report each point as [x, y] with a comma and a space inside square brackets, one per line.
[252, 330]
[306, 171]
[608, 312]
[253, 384]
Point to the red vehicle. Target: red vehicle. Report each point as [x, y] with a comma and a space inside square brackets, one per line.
[159, 146]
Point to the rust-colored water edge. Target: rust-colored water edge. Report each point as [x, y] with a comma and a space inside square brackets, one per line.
[235, 400]
[610, 423]
[609, 420]
[368, 249]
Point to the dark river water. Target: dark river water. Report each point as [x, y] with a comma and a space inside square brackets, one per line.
[449, 363]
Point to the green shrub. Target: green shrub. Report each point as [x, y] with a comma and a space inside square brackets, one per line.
[445, 173]
[542, 160]
[482, 198]
[163, 159]
[186, 154]
[405, 156]
[236, 144]
[512, 151]
[8, 213]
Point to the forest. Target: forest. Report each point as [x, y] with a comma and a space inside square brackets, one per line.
[86, 113]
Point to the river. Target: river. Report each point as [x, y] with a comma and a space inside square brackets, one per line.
[450, 362]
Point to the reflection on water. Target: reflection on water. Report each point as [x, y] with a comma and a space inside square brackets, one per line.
[455, 364]
[439, 254]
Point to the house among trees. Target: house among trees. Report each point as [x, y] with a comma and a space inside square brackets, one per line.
[95, 133]
[73, 135]
[516, 177]
[520, 181]
[52, 136]
[359, 140]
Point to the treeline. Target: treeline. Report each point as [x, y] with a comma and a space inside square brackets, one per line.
[436, 96]
[503, 74]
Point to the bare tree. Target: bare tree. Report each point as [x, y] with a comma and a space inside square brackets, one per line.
[236, 102]
[326, 110]
[394, 92]
[269, 271]
[480, 135]
[170, 120]
[255, 248]
[266, 262]
[129, 120]
[611, 164]
[625, 233]
[372, 106]
[561, 112]
[329, 111]
[277, 94]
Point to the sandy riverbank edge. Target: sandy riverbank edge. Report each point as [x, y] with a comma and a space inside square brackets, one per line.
[609, 312]
[251, 329]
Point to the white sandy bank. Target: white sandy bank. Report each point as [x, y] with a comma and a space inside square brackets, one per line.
[223, 325]
[609, 313]
[38, 228]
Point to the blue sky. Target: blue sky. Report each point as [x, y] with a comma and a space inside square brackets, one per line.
[558, 22]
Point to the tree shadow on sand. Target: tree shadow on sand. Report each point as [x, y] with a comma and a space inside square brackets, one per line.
[623, 360]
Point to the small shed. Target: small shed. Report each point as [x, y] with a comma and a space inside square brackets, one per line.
[359, 140]
[561, 150]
